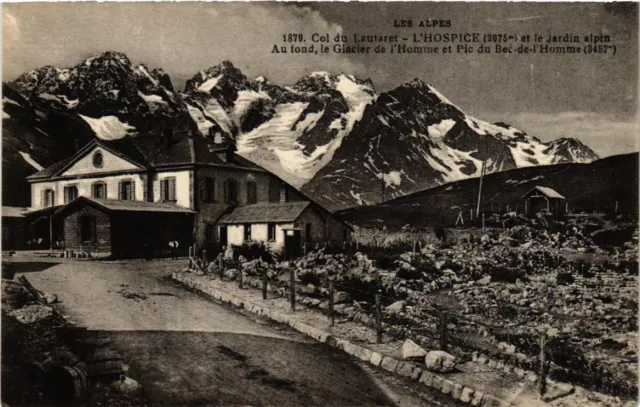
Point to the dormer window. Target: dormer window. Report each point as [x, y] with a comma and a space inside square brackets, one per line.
[98, 159]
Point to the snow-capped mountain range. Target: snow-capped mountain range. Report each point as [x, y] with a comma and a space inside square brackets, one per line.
[332, 136]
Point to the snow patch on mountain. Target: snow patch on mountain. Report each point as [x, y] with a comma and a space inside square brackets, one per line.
[109, 127]
[209, 84]
[439, 130]
[152, 98]
[243, 102]
[69, 104]
[391, 179]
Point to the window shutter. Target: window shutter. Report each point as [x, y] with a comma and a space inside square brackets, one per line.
[226, 191]
[162, 189]
[172, 189]
[132, 196]
[120, 190]
[203, 190]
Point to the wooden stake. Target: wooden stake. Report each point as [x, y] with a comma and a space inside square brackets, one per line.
[204, 259]
[240, 276]
[443, 330]
[331, 314]
[483, 222]
[292, 278]
[378, 318]
[264, 284]
[190, 257]
[542, 384]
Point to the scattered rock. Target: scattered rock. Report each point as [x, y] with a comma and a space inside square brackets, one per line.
[127, 385]
[397, 306]
[32, 313]
[440, 361]
[341, 297]
[411, 350]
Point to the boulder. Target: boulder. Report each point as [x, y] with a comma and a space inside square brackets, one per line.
[230, 273]
[341, 297]
[397, 306]
[125, 386]
[411, 350]
[440, 361]
[484, 280]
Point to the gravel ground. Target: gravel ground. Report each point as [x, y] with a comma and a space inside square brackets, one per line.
[186, 350]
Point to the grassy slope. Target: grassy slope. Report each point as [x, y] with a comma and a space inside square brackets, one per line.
[586, 186]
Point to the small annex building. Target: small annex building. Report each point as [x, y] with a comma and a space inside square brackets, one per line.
[111, 227]
[543, 199]
[282, 226]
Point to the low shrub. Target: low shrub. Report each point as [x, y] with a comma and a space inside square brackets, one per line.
[565, 278]
[505, 275]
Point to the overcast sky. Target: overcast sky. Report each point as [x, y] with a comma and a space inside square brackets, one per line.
[592, 98]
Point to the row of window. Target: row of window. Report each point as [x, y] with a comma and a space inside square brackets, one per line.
[126, 191]
[230, 191]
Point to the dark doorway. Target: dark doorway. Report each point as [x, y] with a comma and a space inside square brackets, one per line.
[223, 236]
[291, 244]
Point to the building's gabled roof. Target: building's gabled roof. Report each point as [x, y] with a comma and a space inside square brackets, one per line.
[13, 212]
[115, 205]
[266, 213]
[158, 150]
[546, 191]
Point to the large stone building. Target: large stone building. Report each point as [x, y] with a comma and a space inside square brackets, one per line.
[132, 196]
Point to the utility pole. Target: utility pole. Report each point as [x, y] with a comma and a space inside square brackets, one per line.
[482, 171]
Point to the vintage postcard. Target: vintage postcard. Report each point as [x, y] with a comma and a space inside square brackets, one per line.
[319, 204]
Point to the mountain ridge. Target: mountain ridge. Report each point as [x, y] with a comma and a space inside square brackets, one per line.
[332, 136]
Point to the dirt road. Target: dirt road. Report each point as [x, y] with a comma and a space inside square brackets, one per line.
[187, 351]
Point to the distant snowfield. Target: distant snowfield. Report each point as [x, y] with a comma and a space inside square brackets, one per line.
[280, 134]
[109, 127]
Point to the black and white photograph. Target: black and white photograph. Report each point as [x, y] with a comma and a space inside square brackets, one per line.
[319, 204]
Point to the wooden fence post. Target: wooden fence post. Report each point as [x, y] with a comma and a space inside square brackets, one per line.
[483, 222]
[190, 257]
[204, 259]
[378, 318]
[264, 284]
[240, 275]
[543, 353]
[331, 314]
[304, 249]
[443, 330]
[221, 267]
[292, 278]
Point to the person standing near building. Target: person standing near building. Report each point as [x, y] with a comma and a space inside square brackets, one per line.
[173, 247]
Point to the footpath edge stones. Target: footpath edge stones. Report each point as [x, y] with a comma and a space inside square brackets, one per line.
[458, 391]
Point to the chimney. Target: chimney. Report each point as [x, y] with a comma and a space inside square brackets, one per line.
[230, 153]
[283, 192]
